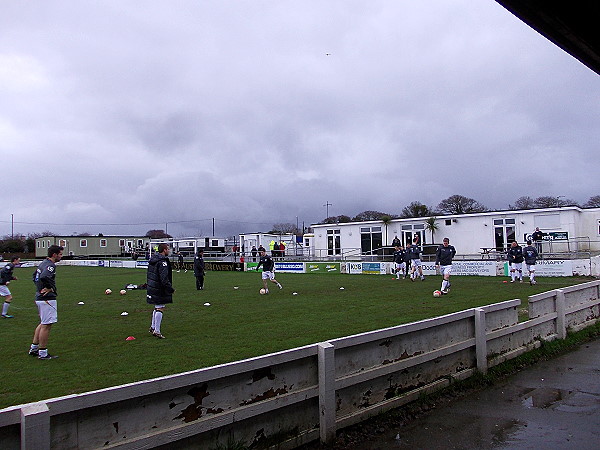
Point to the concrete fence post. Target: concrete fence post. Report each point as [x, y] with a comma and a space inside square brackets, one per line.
[561, 319]
[327, 425]
[35, 427]
[480, 341]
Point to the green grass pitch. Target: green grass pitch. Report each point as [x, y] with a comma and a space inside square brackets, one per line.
[90, 339]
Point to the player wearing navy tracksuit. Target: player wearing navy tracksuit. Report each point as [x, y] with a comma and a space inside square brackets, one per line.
[515, 259]
[443, 259]
[159, 290]
[268, 270]
[399, 261]
[6, 276]
[45, 300]
[530, 254]
[414, 252]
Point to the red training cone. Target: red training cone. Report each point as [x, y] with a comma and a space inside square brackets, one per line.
[130, 338]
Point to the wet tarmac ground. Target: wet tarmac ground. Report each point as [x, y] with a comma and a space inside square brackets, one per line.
[552, 405]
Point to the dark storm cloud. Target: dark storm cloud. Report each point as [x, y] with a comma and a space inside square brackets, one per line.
[260, 112]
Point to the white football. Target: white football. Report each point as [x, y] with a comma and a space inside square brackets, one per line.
[437, 293]
[122, 292]
[262, 291]
[108, 292]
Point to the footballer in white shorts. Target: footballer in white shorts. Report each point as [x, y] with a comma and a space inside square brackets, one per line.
[268, 275]
[4, 291]
[48, 312]
[446, 270]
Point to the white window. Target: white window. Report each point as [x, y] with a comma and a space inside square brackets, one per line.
[83, 242]
[102, 242]
[121, 242]
[62, 243]
[39, 244]
[49, 243]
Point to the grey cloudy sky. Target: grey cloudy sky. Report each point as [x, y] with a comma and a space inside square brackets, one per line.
[259, 112]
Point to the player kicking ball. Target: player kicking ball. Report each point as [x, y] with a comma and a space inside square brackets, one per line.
[443, 261]
[268, 273]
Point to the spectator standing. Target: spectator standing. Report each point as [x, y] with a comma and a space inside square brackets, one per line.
[272, 248]
[254, 252]
[282, 249]
[537, 236]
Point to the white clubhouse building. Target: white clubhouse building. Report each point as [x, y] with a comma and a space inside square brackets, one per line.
[567, 229]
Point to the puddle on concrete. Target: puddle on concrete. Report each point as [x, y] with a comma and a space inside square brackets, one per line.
[543, 397]
[580, 402]
[460, 432]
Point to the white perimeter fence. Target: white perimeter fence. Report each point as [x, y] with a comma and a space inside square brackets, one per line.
[544, 268]
[288, 398]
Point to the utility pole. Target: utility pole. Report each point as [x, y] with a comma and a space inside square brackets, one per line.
[213, 227]
[12, 226]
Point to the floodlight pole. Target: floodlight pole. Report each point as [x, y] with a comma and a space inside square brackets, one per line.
[327, 205]
[12, 227]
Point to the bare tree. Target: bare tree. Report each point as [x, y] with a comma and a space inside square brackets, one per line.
[458, 204]
[371, 215]
[157, 234]
[284, 228]
[523, 203]
[548, 201]
[593, 202]
[338, 219]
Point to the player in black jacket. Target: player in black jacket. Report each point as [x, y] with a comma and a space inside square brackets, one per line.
[268, 270]
[6, 276]
[399, 261]
[414, 251]
[530, 254]
[443, 260]
[515, 259]
[159, 291]
[199, 269]
[45, 299]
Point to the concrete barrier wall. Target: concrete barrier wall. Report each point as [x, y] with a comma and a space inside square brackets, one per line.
[289, 398]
